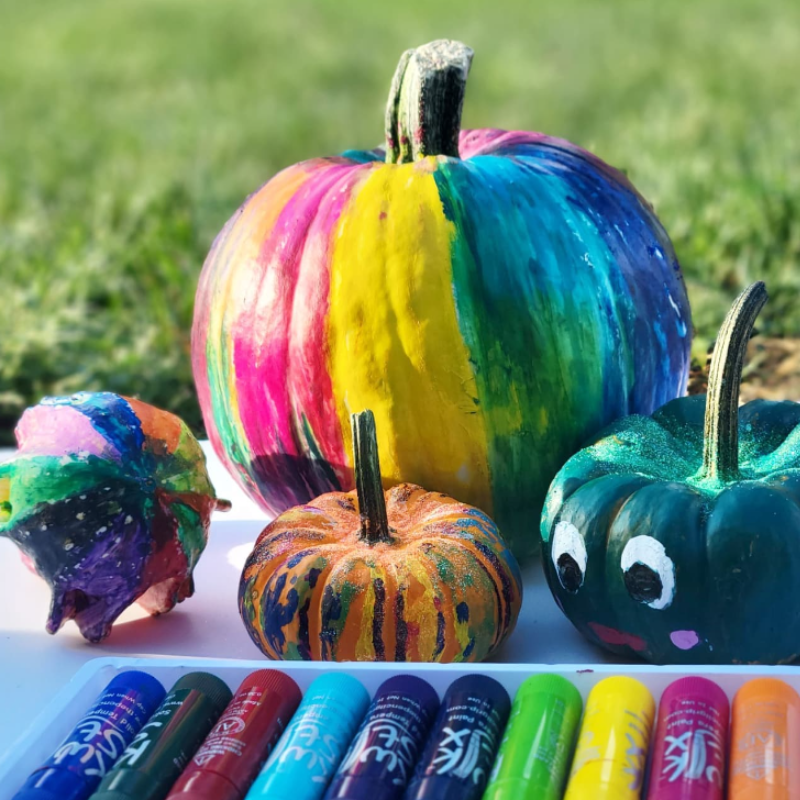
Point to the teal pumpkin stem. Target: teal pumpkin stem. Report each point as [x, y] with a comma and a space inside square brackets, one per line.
[423, 113]
[721, 431]
[371, 500]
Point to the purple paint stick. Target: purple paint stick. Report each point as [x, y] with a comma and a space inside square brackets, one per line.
[383, 755]
[458, 757]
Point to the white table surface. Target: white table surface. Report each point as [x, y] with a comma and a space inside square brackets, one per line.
[35, 665]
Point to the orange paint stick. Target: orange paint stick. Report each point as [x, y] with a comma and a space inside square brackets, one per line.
[765, 742]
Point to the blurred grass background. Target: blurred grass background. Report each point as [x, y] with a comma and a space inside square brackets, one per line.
[130, 130]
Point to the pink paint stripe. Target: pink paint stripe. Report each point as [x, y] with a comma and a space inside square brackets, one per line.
[61, 431]
[308, 380]
[262, 331]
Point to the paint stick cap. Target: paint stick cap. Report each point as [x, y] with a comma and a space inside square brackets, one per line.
[612, 692]
[335, 684]
[481, 685]
[696, 687]
[411, 686]
[340, 691]
[767, 688]
[211, 686]
[272, 680]
[141, 682]
[550, 684]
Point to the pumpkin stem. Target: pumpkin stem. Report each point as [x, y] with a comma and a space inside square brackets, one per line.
[371, 500]
[423, 114]
[721, 433]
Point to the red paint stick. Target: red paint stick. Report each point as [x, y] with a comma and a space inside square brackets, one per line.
[232, 755]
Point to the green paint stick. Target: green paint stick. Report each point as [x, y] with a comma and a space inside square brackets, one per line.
[535, 752]
[164, 746]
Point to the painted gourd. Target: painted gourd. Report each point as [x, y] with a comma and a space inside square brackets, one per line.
[408, 575]
[495, 297]
[676, 537]
[109, 501]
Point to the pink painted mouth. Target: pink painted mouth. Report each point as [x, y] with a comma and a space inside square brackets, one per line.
[613, 636]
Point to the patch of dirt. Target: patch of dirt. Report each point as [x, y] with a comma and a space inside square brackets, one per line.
[772, 371]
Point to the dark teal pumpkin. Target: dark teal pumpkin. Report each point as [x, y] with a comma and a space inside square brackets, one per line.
[676, 537]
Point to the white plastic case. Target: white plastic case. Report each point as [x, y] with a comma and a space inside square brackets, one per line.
[45, 733]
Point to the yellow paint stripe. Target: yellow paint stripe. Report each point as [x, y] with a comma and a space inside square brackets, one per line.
[5, 499]
[394, 341]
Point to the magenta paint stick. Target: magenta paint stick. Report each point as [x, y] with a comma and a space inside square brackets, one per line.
[688, 761]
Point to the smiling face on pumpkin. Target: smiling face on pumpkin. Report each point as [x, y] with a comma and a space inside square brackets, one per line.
[646, 560]
[676, 537]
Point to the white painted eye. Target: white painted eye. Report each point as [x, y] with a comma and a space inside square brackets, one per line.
[649, 572]
[569, 556]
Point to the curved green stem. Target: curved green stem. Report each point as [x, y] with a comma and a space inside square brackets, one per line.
[423, 114]
[371, 500]
[721, 433]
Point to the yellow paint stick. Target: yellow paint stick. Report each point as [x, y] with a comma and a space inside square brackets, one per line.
[610, 757]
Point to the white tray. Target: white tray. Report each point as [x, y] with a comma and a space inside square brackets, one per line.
[45, 733]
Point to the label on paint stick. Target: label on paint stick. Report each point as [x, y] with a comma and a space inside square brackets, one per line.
[225, 737]
[170, 714]
[392, 738]
[694, 742]
[637, 736]
[103, 734]
[762, 750]
[633, 747]
[549, 747]
[469, 741]
[307, 741]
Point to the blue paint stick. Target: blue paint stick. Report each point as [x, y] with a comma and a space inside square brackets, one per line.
[75, 770]
[461, 749]
[314, 742]
[383, 755]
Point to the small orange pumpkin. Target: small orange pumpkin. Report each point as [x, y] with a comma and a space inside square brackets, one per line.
[406, 575]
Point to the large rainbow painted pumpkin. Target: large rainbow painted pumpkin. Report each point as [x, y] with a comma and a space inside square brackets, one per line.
[495, 297]
[406, 575]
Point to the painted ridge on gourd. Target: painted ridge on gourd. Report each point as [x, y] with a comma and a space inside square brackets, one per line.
[495, 297]
[676, 537]
[408, 575]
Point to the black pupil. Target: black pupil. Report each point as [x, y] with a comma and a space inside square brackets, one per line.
[569, 573]
[643, 583]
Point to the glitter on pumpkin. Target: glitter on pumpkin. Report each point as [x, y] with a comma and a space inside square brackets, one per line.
[445, 588]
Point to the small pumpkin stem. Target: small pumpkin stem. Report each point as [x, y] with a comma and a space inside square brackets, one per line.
[371, 500]
[423, 114]
[721, 433]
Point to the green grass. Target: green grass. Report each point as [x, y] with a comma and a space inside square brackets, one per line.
[130, 130]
